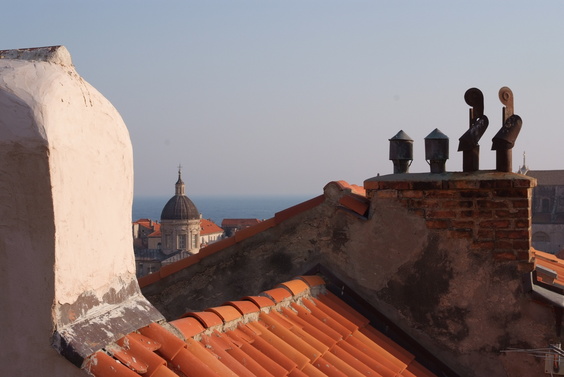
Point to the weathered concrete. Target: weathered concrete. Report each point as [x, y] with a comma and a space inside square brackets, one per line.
[441, 257]
[66, 176]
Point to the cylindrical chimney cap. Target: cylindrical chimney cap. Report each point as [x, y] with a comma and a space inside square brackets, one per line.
[401, 152]
[401, 147]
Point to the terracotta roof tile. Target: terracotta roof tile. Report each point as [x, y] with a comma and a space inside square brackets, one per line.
[219, 349]
[103, 365]
[209, 227]
[226, 313]
[169, 269]
[188, 326]
[244, 306]
[148, 343]
[297, 209]
[313, 280]
[295, 286]
[149, 279]
[277, 294]
[343, 309]
[279, 355]
[191, 364]
[208, 319]
[245, 233]
[139, 355]
[260, 301]
[355, 203]
[170, 344]
[216, 246]
[309, 337]
[355, 189]
[203, 354]
[550, 268]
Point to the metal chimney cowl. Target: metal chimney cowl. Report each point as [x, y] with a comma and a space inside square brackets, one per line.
[436, 150]
[401, 152]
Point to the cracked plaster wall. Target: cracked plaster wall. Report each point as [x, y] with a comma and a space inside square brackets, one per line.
[66, 176]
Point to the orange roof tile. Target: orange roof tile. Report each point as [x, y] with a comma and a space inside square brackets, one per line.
[209, 227]
[550, 268]
[226, 313]
[312, 336]
[244, 307]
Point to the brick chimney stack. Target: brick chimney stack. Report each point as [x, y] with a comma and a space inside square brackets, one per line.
[491, 210]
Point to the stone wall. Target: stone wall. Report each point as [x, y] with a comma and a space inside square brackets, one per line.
[440, 255]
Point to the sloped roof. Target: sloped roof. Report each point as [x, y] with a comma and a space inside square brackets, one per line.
[296, 329]
[209, 227]
[549, 268]
[352, 199]
[548, 177]
[239, 222]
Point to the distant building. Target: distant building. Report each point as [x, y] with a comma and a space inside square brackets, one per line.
[232, 226]
[548, 210]
[210, 232]
[180, 223]
[180, 233]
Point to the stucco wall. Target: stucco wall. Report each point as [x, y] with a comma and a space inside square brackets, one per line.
[66, 173]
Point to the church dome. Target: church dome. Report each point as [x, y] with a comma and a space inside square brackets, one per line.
[180, 207]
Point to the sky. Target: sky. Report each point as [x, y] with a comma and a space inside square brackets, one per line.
[260, 98]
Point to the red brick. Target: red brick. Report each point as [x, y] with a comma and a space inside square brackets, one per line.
[464, 184]
[522, 224]
[412, 194]
[438, 224]
[458, 204]
[467, 213]
[463, 224]
[525, 267]
[371, 185]
[496, 224]
[492, 203]
[503, 245]
[523, 183]
[487, 184]
[520, 203]
[442, 194]
[512, 213]
[395, 185]
[417, 211]
[512, 193]
[521, 244]
[512, 234]
[386, 194]
[524, 256]
[485, 234]
[460, 233]
[433, 185]
[476, 194]
[505, 256]
[483, 245]
[440, 214]
[503, 183]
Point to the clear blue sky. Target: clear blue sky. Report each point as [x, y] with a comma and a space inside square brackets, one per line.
[281, 97]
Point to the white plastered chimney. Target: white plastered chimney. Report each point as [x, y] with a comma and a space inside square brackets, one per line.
[66, 190]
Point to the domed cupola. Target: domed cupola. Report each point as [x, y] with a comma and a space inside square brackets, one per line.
[180, 207]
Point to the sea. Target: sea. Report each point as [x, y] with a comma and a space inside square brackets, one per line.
[217, 208]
